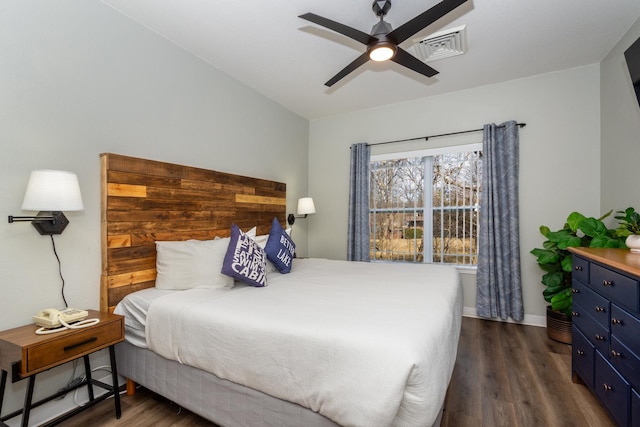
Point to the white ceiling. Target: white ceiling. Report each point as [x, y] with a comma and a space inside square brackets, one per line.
[266, 46]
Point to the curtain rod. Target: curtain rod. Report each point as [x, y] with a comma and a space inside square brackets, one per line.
[426, 138]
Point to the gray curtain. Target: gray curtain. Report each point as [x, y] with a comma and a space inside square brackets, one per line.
[358, 232]
[498, 280]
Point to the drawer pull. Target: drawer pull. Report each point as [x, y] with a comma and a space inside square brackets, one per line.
[615, 353]
[599, 309]
[580, 352]
[615, 321]
[575, 291]
[607, 387]
[600, 337]
[575, 314]
[607, 283]
[80, 344]
[578, 268]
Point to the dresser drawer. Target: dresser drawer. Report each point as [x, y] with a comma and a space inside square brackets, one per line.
[626, 328]
[596, 306]
[71, 346]
[580, 269]
[625, 361]
[613, 390]
[615, 286]
[583, 357]
[597, 334]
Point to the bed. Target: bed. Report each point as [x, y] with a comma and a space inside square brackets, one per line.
[330, 343]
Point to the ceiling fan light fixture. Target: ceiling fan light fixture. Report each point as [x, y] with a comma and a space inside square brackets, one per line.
[383, 41]
[382, 51]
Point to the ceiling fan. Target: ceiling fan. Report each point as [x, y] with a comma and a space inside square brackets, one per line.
[382, 43]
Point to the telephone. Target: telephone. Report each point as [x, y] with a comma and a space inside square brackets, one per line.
[52, 318]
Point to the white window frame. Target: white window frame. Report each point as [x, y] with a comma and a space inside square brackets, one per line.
[428, 213]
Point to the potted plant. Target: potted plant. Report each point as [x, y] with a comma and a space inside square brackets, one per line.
[629, 228]
[556, 261]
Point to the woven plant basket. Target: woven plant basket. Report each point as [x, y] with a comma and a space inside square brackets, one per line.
[558, 326]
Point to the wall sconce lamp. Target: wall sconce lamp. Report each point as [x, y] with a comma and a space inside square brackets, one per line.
[50, 192]
[305, 207]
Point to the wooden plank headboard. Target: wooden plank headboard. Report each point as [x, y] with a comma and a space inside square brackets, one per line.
[145, 200]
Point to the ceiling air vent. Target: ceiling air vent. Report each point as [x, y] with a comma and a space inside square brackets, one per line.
[442, 44]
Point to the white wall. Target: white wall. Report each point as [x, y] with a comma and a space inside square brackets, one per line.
[78, 79]
[620, 117]
[559, 154]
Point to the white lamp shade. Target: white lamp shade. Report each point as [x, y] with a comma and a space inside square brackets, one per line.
[306, 206]
[51, 190]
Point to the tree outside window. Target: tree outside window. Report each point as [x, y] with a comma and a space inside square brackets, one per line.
[425, 208]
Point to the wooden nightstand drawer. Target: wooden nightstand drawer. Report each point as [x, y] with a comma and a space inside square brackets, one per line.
[71, 346]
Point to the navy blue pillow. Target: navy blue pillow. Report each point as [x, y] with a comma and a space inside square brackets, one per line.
[245, 260]
[280, 248]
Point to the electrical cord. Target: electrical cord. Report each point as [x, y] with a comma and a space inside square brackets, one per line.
[53, 244]
[106, 368]
[78, 325]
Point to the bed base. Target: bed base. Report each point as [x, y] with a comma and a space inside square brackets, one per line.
[220, 401]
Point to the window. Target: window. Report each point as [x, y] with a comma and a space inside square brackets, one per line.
[424, 206]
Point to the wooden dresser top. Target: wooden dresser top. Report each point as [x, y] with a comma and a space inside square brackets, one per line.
[621, 259]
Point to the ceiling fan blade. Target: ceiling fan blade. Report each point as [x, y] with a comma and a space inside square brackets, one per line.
[348, 69]
[405, 59]
[423, 20]
[345, 30]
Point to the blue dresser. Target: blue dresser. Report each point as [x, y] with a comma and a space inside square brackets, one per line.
[606, 328]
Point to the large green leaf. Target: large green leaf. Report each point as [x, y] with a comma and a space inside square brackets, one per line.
[605, 242]
[544, 230]
[562, 301]
[574, 220]
[570, 242]
[553, 279]
[549, 268]
[552, 291]
[560, 235]
[545, 256]
[567, 263]
[564, 238]
[592, 227]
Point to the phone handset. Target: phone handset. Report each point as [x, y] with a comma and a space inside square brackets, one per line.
[51, 320]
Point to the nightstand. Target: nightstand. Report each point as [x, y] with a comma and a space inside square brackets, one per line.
[24, 354]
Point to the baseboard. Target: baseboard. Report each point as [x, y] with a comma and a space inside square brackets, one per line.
[529, 319]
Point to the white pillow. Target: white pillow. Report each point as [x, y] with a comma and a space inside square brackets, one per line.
[262, 242]
[252, 233]
[191, 264]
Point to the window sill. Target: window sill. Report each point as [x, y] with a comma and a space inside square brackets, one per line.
[472, 271]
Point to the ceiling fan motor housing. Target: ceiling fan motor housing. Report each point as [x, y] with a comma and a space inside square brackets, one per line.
[380, 29]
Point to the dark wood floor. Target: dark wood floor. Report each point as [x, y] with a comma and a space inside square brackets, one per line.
[513, 375]
[505, 375]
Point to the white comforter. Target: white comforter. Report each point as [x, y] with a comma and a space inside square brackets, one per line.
[364, 344]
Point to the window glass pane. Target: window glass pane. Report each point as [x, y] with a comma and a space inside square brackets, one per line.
[398, 209]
